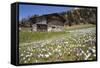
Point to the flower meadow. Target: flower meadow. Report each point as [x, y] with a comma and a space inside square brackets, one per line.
[72, 45]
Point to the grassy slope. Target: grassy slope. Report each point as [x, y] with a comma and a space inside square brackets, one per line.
[35, 36]
[26, 36]
[78, 26]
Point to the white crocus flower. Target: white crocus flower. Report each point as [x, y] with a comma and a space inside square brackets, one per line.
[22, 55]
[46, 55]
[25, 61]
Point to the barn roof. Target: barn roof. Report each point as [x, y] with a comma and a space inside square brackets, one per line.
[49, 16]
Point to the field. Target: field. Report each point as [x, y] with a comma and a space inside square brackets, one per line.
[69, 45]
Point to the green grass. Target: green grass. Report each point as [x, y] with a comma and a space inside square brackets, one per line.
[25, 36]
[81, 26]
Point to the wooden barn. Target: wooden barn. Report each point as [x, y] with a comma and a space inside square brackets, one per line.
[50, 22]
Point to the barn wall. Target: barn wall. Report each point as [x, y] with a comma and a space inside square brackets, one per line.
[41, 20]
[34, 27]
[42, 27]
[55, 25]
[55, 22]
